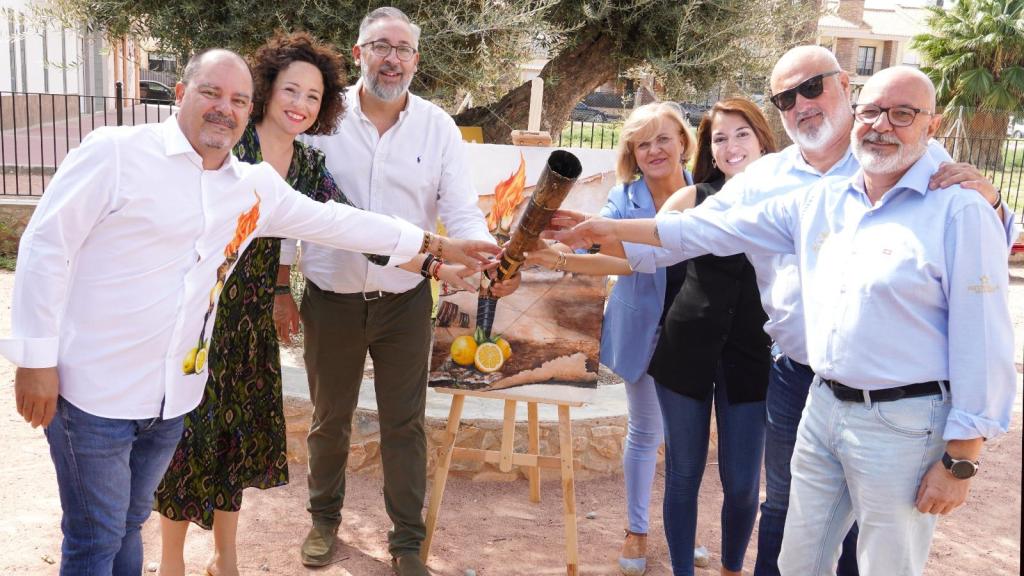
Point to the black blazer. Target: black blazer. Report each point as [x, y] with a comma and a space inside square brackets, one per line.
[715, 317]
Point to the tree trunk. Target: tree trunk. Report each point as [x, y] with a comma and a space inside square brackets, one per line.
[568, 77]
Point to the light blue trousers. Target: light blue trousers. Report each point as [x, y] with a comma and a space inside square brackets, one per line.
[644, 434]
[862, 461]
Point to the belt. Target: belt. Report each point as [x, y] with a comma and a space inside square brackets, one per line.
[366, 296]
[847, 394]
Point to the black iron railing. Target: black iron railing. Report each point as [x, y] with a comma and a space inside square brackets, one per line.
[1001, 160]
[589, 135]
[38, 130]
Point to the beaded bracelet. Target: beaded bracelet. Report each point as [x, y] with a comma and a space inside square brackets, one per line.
[426, 242]
[437, 271]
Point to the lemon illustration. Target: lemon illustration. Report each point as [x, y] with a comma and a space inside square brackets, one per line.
[463, 350]
[189, 365]
[506, 348]
[201, 359]
[489, 357]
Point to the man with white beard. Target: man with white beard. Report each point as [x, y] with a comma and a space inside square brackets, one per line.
[908, 332]
[397, 154]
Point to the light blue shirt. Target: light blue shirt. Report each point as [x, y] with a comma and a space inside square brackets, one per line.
[912, 289]
[778, 277]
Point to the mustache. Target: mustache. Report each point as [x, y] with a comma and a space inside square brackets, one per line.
[807, 114]
[222, 119]
[879, 138]
[389, 68]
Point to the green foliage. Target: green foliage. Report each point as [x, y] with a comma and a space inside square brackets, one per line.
[975, 54]
[590, 135]
[7, 262]
[476, 47]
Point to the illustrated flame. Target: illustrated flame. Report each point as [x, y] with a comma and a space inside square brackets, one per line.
[507, 195]
[246, 224]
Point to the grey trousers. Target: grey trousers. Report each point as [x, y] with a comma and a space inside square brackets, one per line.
[338, 331]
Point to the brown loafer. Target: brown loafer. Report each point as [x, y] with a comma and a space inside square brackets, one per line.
[318, 547]
[409, 565]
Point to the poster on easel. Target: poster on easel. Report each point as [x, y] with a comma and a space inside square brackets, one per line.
[545, 339]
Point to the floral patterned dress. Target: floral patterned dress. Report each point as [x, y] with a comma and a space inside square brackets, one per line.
[235, 438]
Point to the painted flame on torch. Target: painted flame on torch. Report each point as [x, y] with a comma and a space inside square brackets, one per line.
[507, 195]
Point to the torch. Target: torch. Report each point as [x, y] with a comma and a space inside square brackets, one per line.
[557, 178]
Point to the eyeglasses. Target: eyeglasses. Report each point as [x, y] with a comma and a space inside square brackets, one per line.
[382, 49]
[810, 89]
[899, 116]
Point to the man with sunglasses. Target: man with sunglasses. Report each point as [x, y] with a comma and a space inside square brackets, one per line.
[813, 98]
[396, 154]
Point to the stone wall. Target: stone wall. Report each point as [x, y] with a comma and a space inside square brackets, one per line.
[597, 444]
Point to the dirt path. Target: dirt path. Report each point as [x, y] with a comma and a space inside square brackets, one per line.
[487, 527]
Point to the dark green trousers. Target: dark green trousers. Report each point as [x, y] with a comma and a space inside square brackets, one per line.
[339, 329]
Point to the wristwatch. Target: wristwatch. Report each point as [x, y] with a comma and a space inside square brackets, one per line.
[960, 469]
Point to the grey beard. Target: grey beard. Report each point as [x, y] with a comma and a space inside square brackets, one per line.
[381, 92]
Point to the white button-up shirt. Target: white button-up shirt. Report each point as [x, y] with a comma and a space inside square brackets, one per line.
[116, 267]
[910, 289]
[416, 170]
[778, 275]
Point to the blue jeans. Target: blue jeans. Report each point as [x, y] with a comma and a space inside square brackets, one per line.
[640, 457]
[862, 461]
[740, 447]
[107, 472]
[788, 384]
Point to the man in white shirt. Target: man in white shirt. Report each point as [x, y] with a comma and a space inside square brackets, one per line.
[395, 153]
[116, 287]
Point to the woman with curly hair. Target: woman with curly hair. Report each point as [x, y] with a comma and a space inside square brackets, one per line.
[235, 439]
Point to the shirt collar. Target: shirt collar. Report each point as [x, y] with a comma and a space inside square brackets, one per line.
[175, 143]
[639, 195]
[916, 177]
[797, 161]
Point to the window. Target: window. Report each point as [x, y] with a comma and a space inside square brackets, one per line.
[162, 63]
[865, 60]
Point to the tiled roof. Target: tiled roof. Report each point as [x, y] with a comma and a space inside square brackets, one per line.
[883, 19]
[833, 21]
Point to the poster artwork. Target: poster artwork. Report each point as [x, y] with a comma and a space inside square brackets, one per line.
[545, 338]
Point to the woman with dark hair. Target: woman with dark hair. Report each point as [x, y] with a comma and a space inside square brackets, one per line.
[713, 351]
[235, 439]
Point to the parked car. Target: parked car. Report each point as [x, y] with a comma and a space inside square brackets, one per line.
[153, 92]
[1015, 129]
[584, 113]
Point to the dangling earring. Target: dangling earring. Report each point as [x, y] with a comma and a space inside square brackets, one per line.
[714, 163]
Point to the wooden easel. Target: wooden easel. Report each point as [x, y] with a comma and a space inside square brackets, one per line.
[506, 457]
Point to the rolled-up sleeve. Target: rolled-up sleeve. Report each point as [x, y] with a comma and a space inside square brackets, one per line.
[339, 225]
[81, 192]
[981, 371]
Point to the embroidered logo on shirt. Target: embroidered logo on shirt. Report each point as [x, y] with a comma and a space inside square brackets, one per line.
[887, 251]
[983, 287]
[822, 238]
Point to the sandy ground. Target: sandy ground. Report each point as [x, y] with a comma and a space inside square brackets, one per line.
[490, 528]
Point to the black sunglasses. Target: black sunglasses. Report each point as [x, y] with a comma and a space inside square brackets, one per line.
[810, 89]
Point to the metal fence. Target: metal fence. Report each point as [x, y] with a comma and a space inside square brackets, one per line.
[38, 130]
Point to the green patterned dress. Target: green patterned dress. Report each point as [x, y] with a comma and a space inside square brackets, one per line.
[235, 438]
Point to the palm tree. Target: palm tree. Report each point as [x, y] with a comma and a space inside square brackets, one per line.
[975, 55]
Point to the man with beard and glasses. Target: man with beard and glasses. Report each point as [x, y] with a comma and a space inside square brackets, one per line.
[908, 332]
[116, 289]
[398, 154]
[813, 98]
